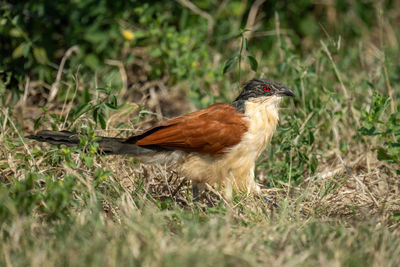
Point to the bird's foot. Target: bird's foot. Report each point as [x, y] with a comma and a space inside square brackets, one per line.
[270, 201]
[197, 190]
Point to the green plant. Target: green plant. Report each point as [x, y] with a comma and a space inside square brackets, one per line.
[237, 57]
[387, 129]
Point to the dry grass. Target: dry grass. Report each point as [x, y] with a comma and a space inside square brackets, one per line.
[343, 214]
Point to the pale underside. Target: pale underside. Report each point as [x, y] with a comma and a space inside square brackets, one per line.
[234, 168]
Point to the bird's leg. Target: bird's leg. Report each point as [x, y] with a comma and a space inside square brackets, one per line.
[270, 201]
[197, 189]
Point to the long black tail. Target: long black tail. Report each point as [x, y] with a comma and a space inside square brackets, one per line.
[107, 145]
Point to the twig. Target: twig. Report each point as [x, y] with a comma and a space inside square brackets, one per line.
[363, 186]
[163, 174]
[209, 187]
[65, 104]
[270, 33]
[381, 44]
[55, 86]
[26, 91]
[72, 100]
[34, 84]
[31, 160]
[287, 185]
[339, 77]
[389, 87]
[252, 16]
[278, 34]
[221, 7]
[178, 187]
[199, 12]
[333, 172]
[4, 124]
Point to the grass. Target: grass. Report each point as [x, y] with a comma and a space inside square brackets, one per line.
[333, 164]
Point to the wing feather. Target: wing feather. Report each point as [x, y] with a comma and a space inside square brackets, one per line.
[209, 131]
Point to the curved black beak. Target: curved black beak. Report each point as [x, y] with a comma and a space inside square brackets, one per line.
[283, 91]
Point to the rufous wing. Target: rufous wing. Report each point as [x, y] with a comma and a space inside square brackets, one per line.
[209, 131]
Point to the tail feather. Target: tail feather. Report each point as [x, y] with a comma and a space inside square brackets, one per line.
[107, 145]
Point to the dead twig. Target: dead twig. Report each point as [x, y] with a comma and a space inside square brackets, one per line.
[55, 86]
[278, 34]
[363, 186]
[337, 72]
[26, 91]
[199, 12]
[251, 19]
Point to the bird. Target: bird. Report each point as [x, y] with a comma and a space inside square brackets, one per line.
[216, 145]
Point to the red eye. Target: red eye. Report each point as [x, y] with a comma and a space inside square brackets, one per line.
[266, 89]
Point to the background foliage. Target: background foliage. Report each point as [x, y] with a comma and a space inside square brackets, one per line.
[121, 66]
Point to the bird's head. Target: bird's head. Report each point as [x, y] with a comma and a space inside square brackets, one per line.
[257, 88]
[260, 90]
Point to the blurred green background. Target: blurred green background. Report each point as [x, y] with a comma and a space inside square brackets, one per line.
[178, 43]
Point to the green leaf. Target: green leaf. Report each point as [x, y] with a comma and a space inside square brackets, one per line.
[383, 155]
[114, 101]
[101, 89]
[27, 48]
[82, 109]
[110, 106]
[310, 138]
[229, 64]
[314, 164]
[121, 125]
[381, 107]
[102, 121]
[15, 32]
[253, 63]
[95, 114]
[71, 164]
[40, 55]
[88, 161]
[18, 51]
[368, 131]
[37, 123]
[92, 61]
